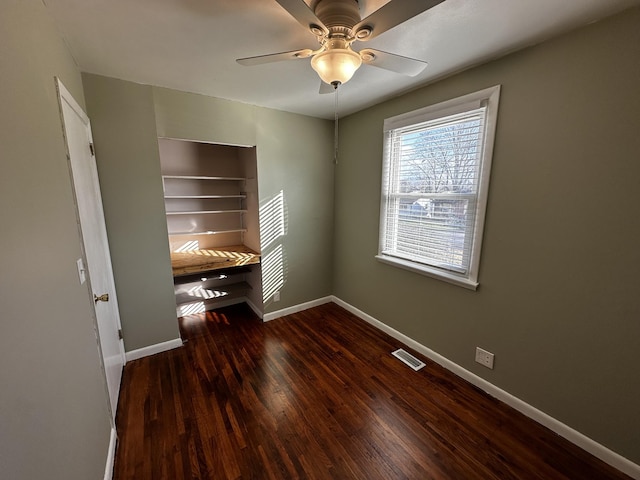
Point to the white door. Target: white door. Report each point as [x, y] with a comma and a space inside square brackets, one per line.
[94, 236]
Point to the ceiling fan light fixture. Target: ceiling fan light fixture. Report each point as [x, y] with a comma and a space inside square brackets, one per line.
[337, 24]
[336, 65]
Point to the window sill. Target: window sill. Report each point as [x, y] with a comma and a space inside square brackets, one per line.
[429, 272]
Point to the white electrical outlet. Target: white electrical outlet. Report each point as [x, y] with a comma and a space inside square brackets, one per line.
[276, 296]
[484, 358]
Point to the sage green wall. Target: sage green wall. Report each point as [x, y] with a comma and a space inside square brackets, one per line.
[53, 403]
[124, 132]
[295, 160]
[558, 297]
[294, 154]
[190, 116]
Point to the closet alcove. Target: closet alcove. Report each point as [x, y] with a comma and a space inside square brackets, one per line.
[211, 204]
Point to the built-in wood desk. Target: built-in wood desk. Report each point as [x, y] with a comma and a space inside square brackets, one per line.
[205, 260]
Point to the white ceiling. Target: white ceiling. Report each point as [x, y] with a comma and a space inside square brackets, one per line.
[191, 45]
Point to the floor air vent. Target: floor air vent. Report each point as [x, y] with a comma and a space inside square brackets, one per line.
[409, 359]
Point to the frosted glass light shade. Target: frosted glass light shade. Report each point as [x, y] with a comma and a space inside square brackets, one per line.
[336, 65]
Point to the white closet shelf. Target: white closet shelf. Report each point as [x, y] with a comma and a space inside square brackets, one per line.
[203, 196]
[208, 232]
[201, 177]
[212, 293]
[206, 212]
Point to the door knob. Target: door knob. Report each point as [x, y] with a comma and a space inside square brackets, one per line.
[102, 298]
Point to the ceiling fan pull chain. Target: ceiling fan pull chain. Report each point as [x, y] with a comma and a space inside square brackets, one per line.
[335, 126]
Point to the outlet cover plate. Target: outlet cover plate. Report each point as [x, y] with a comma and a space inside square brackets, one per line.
[484, 358]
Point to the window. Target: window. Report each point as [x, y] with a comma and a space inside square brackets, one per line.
[435, 178]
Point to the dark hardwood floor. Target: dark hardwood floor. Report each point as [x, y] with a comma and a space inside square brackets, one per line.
[317, 395]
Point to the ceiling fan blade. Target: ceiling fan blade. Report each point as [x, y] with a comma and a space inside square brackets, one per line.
[299, 10]
[274, 57]
[392, 14]
[393, 62]
[326, 88]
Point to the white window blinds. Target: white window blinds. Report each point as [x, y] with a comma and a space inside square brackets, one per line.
[432, 179]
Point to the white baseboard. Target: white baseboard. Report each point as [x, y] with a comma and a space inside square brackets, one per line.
[153, 349]
[111, 455]
[253, 307]
[296, 308]
[594, 448]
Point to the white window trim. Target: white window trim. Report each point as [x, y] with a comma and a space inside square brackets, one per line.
[490, 98]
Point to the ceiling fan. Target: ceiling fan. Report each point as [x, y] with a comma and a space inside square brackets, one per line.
[336, 24]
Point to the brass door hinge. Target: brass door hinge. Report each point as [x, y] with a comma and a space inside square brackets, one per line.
[93, 153]
[120, 337]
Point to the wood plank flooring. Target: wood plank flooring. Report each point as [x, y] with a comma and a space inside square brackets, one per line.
[317, 395]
